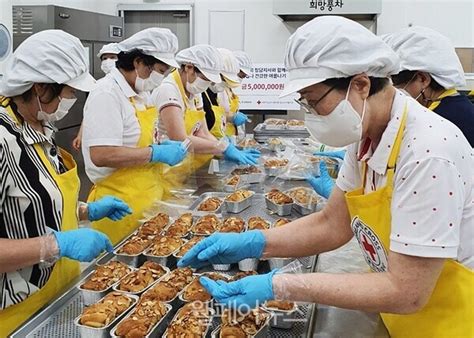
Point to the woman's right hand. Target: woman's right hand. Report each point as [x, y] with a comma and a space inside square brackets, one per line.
[76, 143]
[82, 244]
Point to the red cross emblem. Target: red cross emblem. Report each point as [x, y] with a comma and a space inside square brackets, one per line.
[368, 247]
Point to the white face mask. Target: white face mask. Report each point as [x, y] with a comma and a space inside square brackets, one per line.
[62, 110]
[198, 86]
[343, 126]
[107, 65]
[150, 83]
[218, 87]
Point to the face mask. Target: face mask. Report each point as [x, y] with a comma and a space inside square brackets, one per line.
[217, 87]
[198, 86]
[343, 126]
[107, 65]
[62, 110]
[150, 83]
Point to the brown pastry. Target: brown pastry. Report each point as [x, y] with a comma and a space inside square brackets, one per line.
[276, 163]
[303, 196]
[232, 332]
[275, 122]
[246, 170]
[142, 319]
[188, 245]
[280, 305]
[239, 196]
[164, 245]
[105, 276]
[191, 320]
[155, 225]
[257, 223]
[196, 292]
[250, 323]
[277, 197]
[233, 224]
[243, 274]
[248, 143]
[207, 225]
[281, 221]
[210, 204]
[169, 287]
[138, 280]
[135, 245]
[295, 123]
[104, 312]
[275, 141]
[233, 181]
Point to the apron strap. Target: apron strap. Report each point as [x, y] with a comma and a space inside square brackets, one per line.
[177, 78]
[446, 93]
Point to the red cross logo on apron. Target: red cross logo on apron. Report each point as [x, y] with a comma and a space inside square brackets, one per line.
[368, 247]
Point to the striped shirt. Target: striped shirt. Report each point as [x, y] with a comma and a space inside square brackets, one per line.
[30, 199]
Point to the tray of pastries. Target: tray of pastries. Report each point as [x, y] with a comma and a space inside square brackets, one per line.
[275, 124]
[274, 166]
[143, 321]
[96, 319]
[180, 227]
[132, 248]
[210, 204]
[248, 143]
[206, 225]
[306, 200]
[192, 320]
[254, 323]
[162, 249]
[279, 202]
[243, 274]
[295, 124]
[249, 174]
[170, 286]
[284, 313]
[196, 292]
[187, 246]
[257, 223]
[154, 226]
[102, 279]
[232, 183]
[233, 224]
[141, 279]
[238, 201]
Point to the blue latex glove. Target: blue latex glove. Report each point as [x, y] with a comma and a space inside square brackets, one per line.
[323, 184]
[108, 206]
[169, 152]
[82, 244]
[250, 291]
[240, 119]
[246, 156]
[225, 248]
[334, 154]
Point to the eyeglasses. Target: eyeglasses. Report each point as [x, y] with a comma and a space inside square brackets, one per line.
[309, 108]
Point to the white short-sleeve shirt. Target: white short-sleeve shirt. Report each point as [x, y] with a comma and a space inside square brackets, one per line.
[168, 94]
[433, 197]
[110, 119]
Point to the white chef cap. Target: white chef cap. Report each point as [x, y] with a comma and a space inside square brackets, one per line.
[160, 43]
[50, 56]
[424, 49]
[245, 62]
[110, 48]
[206, 58]
[335, 47]
[230, 65]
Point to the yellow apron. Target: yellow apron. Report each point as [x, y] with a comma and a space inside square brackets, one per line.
[231, 130]
[437, 102]
[176, 176]
[219, 127]
[449, 312]
[138, 186]
[65, 270]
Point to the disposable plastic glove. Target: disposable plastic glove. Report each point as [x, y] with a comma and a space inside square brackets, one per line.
[249, 292]
[225, 248]
[169, 152]
[82, 244]
[246, 156]
[334, 154]
[323, 184]
[108, 206]
[240, 119]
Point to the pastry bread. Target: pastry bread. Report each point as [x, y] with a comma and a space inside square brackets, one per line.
[135, 245]
[257, 223]
[276, 162]
[188, 245]
[196, 292]
[275, 122]
[281, 221]
[103, 313]
[246, 170]
[172, 284]
[155, 225]
[239, 196]
[207, 225]
[210, 204]
[165, 245]
[191, 320]
[233, 224]
[303, 196]
[239, 324]
[280, 305]
[140, 279]
[277, 197]
[138, 324]
[105, 276]
[243, 274]
[248, 143]
[181, 226]
[295, 123]
[233, 181]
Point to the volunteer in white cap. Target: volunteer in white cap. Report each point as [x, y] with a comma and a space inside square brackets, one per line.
[430, 71]
[181, 115]
[39, 187]
[120, 151]
[405, 192]
[220, 103]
